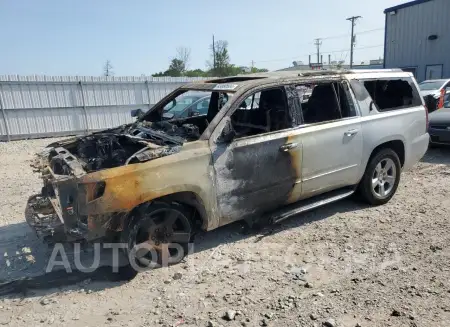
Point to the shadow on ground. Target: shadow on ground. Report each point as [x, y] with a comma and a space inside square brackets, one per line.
[25, 258]
[437, 155]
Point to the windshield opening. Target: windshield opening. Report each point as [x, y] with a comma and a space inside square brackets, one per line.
[189, 112]
[182, 103]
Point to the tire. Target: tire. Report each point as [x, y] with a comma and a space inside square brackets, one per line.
[378, 188]
[151, 225]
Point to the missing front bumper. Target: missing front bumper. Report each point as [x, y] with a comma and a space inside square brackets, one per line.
[42, 217]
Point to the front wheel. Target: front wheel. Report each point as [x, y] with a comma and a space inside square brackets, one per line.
[158, 236]
[381, 178]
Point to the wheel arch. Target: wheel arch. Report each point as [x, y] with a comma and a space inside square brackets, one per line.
[397, 145]
[188, 199]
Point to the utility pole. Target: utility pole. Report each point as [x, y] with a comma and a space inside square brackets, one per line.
[318, 43]
[214, 53]
[352, 19]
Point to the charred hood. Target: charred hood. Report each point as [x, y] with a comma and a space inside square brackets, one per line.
[138, 142]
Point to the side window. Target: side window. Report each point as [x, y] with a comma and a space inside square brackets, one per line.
[262, 112]
[251, 103]
[391, 94]
[346, 103]
[324, 102]
[202, 107]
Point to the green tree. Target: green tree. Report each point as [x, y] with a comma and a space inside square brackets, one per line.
[196, 73]
[258, 70]
[220, 59]
[176, 68]
[160, 74]
[178, 65]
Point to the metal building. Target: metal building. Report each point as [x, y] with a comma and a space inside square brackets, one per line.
[417, 38]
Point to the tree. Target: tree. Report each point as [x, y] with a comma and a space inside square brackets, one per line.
[107, 69]
[160, 74]
[176, 68]
[184, 55]
[178, 64]
[258, 70]
[196, 73]
[220, 57]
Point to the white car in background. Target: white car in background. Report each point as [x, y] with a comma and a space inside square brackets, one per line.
[430, 91]
[433, 87]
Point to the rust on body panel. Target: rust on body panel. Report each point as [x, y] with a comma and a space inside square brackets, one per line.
[296, 162]
[129, 186]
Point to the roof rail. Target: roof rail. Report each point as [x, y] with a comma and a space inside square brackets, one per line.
[296, 73]
[332, 72]
[381, 70]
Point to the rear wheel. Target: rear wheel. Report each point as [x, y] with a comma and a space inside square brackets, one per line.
[159, 235]
[381, 178]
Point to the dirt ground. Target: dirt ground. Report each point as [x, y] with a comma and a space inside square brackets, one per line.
[342, 265]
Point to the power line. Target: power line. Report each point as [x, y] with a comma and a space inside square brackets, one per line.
[326, 38]
[369, 31]
[360, 48]
[345, 35]
[326, 52]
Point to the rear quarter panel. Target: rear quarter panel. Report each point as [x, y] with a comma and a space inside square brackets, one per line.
[407, 125]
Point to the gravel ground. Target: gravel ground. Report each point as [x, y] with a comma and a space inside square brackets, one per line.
[342, 265]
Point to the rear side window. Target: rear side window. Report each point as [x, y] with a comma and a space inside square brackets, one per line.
[325, 101]
[392, 94]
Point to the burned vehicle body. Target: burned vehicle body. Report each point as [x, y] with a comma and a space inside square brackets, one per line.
[151, 181]
[89, 188]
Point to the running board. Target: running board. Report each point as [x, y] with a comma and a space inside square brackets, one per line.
[309, 204]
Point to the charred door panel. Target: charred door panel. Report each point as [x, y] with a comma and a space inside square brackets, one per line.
[253, 175]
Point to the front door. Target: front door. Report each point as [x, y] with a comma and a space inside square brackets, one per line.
[256, 171]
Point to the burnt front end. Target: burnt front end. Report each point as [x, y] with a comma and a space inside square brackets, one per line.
[59, 211]
[85, 193]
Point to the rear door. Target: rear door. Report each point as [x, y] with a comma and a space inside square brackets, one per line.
[332, 139]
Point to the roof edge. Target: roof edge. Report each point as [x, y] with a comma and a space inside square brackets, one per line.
[405, 5]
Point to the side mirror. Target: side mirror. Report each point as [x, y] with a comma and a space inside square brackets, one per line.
[228, 133]
[137, 113]
[371, 106]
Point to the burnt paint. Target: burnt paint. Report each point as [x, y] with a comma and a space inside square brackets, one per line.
[252, 178]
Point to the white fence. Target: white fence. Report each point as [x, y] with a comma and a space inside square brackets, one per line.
[41, 106]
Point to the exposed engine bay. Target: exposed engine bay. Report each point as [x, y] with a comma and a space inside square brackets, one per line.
[127, 144]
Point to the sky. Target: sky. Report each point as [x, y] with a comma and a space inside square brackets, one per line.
[64, 37]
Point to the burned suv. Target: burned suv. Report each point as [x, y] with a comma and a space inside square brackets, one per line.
[263, 151]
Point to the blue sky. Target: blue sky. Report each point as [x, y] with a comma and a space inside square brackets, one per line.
[63, 37]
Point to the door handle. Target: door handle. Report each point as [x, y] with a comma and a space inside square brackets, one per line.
[288, 146]
[351, 132]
